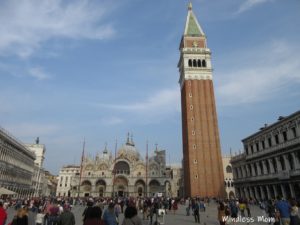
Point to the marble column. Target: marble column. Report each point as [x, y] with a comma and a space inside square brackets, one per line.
[286, 162]
[271, 166]
[257, 197]
[283, 191]
[264, 167]
[262, 193]
[279, 168]
[291, 186]
[258, 169]
[296, 161]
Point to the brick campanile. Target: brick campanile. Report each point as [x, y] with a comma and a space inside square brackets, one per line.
[202, 160]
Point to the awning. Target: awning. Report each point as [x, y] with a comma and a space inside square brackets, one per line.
[4, 191]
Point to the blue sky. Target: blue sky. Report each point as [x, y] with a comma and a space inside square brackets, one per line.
[100, 69]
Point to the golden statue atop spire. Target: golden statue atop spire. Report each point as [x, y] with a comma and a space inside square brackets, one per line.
[190, 7]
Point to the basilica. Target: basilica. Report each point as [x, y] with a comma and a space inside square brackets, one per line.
[124, 173]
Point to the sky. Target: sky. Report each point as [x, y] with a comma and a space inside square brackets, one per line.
[96, 70]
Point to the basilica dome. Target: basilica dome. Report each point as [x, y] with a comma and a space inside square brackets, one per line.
[129, 151]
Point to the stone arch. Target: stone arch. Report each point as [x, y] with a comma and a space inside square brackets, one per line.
[101, 187]
[203, 63]
[154, 186]
[190, 63]
[140, 187]
[103, 166]
[194, 63]
[199, 63]
[121, 186]
[228, 169]
[122, 167]
[86, 185]
[231, 195]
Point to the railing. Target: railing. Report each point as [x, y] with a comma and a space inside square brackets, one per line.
[274, 148]
[15, 141]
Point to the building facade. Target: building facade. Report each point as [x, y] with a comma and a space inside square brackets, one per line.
[202, 160]
[125, 174]
[16, 165]
[228, 177]
[270, 164]
[65, 177]
[39, 173]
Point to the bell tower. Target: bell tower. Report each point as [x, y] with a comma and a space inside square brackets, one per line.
[202, 160]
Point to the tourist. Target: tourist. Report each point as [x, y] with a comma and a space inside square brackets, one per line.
[53, 214]
[196, 210]
[109, 215]
[39, 217]
[284, 209]
[66, 217]
[188, 206]
[117, 210]
[131, 217]
[21, 217]
[174, 207]
[94, 216]
[87, 210]
[294, 213]
[221, 213]
[3, 214]
[233, 209]
[242, 207]
[248, 209]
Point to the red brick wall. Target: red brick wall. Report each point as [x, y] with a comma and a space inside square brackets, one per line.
[207, 151]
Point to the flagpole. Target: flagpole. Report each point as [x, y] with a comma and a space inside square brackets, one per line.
[114, 169]
[146, 169]
[81, 167]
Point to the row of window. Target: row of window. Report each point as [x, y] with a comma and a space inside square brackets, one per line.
[197, 63]
[271, 141]
[283, 162]
[228, 184]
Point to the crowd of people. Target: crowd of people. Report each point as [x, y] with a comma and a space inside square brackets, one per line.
[277, 211]
[106, 211]
[98, 211]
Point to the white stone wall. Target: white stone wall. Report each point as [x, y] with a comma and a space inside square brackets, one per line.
[228, 177]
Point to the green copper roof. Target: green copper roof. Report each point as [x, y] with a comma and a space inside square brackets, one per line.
[193, 28]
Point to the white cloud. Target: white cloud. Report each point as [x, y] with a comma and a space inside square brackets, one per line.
[249, 4]
[111, 120]
[29, 130]
[25, 25]
[38, 73]
[159, 105]
[272, 69]
[163, 100]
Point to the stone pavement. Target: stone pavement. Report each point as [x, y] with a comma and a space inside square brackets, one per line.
[179, 218]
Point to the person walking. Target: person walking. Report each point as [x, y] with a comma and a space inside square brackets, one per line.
[109, 215]
[294, 213]
[66, 217]
[221, 213]
[21, 217]
[3, 214]
[94, 216]
[39, 219]
[284, 209]
[131, 216]
[196, 211]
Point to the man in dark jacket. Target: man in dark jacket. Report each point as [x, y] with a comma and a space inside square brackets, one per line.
[67, 217]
